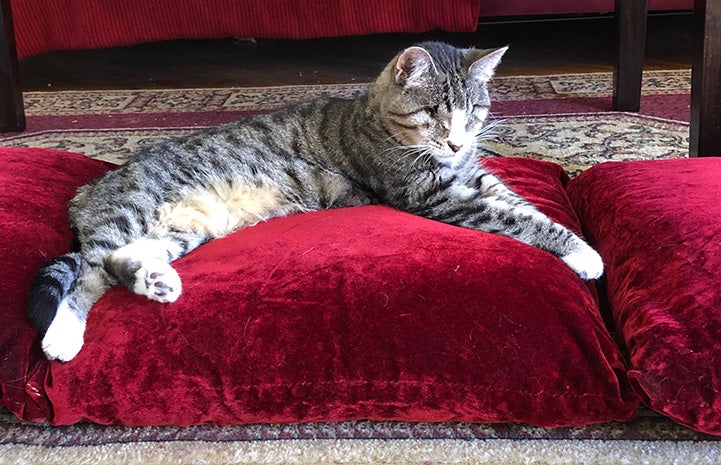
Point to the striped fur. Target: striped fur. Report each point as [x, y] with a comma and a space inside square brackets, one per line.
[410, 143]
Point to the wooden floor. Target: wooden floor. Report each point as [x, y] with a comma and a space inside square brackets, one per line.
[542, 47]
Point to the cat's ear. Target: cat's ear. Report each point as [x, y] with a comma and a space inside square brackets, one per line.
[413, 63]
[484, 63]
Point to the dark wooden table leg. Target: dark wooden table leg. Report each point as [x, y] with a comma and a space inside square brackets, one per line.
[12, 113]
[706, 80]
[631, 46]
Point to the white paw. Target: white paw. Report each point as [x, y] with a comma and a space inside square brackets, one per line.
[586, 262]
[157, 280]
[64, 337]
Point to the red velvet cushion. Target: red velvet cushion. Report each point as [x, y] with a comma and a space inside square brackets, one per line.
[657, 226]
[332, 315]
[35, 186]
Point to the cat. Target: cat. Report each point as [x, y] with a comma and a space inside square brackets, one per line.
[410, 142]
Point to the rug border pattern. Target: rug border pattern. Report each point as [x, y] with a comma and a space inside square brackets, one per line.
[266, 98]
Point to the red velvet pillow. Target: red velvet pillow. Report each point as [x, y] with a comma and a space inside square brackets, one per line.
[656, 223]
[333, 315]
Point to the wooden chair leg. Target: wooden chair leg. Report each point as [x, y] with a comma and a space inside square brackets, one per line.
[12, 113]
[631, 46]
[706, 80]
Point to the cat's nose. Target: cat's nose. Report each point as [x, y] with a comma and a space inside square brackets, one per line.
[454, 147]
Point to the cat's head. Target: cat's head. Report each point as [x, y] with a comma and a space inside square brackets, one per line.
[434, 98]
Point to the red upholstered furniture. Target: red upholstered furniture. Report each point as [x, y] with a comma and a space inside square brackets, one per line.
[371, 313]
[97, 23]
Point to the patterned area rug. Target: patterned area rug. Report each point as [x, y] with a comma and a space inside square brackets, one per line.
[562, 118]
[565, 118]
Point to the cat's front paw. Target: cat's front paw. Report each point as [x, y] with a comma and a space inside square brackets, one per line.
[157, 280]
[64, 337]
[585, 261]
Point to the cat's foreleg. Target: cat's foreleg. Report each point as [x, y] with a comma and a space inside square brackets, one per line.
[585, 261]
[514, 217]
[542, 232]
[497, 209]
[520, 219]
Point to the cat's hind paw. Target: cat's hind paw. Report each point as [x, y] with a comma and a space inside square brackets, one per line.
[586, 262]
[64, 337]
[158, 281]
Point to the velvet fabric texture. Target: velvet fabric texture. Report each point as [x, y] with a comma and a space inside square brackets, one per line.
[35, 187]
[356, 313]
[656, 223]
[44, 25]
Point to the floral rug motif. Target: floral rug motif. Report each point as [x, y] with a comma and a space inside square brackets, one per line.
[578, 141]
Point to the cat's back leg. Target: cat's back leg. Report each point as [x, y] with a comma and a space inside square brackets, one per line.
[61, 296]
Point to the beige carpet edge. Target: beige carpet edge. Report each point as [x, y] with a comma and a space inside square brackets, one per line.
[361, 452]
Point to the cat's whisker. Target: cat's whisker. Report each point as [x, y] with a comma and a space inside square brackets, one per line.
[406, 154]
[417, 155]
[425, 152]
[392, 136]
[488, 132]
[492, 125]
[411, 150]
[399, 148]
[425, 157]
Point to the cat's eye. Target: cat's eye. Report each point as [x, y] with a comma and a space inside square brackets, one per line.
[431, 110]
[479, 112]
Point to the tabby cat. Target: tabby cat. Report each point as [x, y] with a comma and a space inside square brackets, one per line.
[411, 142]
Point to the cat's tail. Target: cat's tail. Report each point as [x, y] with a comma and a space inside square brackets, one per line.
[60, 298]
[49, 287]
